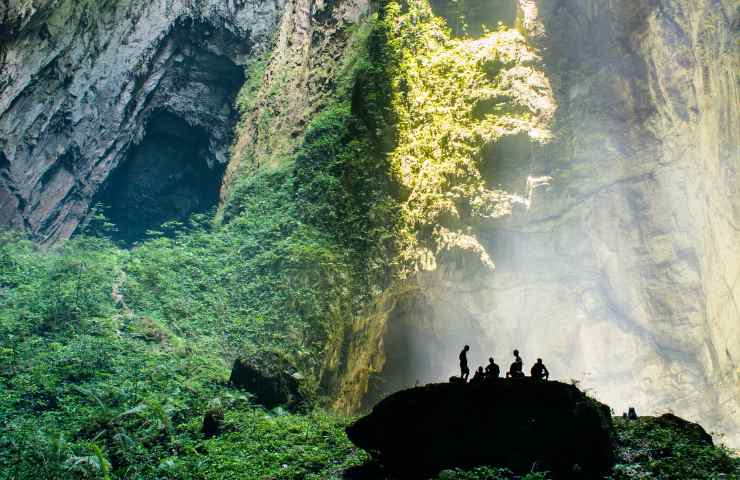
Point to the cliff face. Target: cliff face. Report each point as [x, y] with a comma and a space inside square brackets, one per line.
[83, 83]
[624, 271]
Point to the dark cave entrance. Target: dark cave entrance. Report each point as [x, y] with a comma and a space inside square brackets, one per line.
[177, 168]
[166, 177]
[473, 18]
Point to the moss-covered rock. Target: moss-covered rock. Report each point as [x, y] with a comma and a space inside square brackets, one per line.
[270, 378]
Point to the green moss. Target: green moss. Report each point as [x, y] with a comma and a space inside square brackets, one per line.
[247, 96]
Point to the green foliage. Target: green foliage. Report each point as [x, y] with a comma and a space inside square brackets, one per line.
[109, 392]
[653, 450]
[489, 473]
[255, 71]
[452, 97]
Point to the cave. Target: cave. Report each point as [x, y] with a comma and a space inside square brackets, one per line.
[472, 18]
[177, 167]
[166, 177]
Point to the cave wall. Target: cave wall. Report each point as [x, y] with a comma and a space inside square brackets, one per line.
[81, 79]
[624, 272]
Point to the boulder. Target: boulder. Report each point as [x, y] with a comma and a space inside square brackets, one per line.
[688, 429]
[516, 423]
[213, 422]
[270, 378]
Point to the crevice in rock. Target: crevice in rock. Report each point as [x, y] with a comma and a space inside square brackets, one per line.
[472, 18]
[507, 162]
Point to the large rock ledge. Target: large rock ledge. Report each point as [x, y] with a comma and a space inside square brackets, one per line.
[519, 424]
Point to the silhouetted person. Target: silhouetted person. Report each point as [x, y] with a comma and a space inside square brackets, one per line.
[516, 368]
[539, 370]
[492, 370]
[632, 414]
[464, 370]
[478, 376]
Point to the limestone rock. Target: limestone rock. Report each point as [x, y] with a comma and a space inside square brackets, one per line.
[212, 423]
[624, 271]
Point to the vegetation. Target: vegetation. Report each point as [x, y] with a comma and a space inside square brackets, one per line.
[652, 449]
[489, 473]
[451, 98]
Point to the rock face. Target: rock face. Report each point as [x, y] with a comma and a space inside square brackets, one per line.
[512, 423]
[82, 84]
[623, 272]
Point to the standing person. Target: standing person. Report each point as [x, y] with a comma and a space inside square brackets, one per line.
[464, 370]
[539, 371]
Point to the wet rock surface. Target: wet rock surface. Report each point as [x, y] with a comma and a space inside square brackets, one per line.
[519, 424]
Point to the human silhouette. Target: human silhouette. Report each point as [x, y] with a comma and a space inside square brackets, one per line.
[478, 376]
[464, 370]
[539, 370]
[492, 370]
[516, 368]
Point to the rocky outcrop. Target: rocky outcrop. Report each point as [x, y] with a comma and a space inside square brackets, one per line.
[518, 424]
[624, 270]
[80, 82]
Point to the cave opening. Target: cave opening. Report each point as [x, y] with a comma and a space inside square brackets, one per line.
[168, 176]
[177, 168]
[473, 18]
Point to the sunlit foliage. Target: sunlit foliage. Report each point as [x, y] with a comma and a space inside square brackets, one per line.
[451, 97]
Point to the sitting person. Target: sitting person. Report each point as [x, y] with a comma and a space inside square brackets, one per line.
[492, 370]
[539, 370]
[478, 376]
[516, 368]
